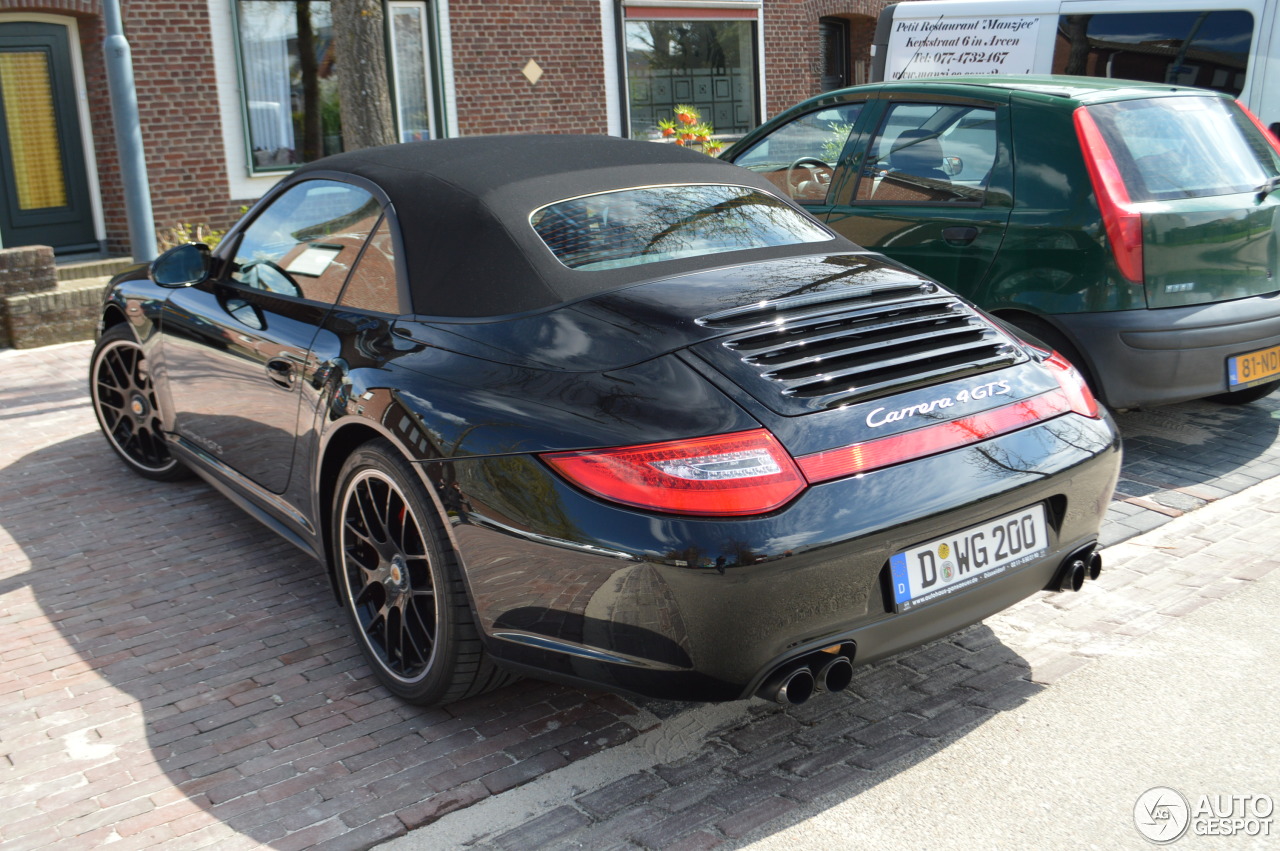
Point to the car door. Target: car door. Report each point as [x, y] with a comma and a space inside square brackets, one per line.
[803, 156]
[235, 348]
[931, 187]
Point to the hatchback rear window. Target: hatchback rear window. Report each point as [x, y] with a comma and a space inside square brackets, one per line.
[630, 227]
[1184, 147]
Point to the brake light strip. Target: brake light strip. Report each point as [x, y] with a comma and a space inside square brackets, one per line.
[929, 440]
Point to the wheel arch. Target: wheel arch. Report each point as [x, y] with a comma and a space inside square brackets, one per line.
[1051, 333]
[345, 439]
[112, 316]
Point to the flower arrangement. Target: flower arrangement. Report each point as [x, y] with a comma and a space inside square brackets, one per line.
[688, 130]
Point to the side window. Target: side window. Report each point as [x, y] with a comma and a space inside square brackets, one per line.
[372, 285]
[1204, 48]
[930, 154]
[800, 156]
[304, 243]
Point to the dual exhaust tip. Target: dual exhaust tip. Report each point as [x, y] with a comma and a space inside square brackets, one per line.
[832, 669]
[1086, 564]
[797, 681]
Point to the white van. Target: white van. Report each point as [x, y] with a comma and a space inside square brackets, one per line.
[1230, 47]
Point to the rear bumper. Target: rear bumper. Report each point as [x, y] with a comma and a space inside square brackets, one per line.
[683, 609]
[1157, 357]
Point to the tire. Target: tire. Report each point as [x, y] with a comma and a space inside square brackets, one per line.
[124, 402]
[1055, 339]
[1244, 397]
[400, 583]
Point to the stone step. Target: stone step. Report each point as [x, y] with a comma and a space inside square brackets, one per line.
[98, 268]
[67, 313]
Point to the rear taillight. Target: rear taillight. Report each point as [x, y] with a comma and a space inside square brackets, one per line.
[1123, 223]
[1077, 390]
[747, 472]
[1257, 122]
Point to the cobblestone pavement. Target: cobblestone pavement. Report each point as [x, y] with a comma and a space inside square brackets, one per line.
[172, 674]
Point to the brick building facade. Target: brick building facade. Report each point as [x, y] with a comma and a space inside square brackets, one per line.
[219, 97]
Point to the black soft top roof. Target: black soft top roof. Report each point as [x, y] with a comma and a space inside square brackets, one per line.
[463, 207]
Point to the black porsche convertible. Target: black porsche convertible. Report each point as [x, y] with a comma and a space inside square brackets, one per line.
[607, 412]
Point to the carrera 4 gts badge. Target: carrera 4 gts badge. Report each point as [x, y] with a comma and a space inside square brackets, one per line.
[883, 416]
[203, 442]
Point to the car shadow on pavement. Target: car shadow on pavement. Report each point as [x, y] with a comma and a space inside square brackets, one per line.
[172, 669]
[747, 777]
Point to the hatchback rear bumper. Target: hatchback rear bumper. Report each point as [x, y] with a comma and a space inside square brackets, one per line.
[1157, 357]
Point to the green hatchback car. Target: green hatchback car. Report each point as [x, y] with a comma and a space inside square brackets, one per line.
[1134, 227]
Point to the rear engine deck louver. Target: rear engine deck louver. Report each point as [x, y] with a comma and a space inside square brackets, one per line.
[835, 348]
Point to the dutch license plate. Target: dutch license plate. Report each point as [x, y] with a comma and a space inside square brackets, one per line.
[963, 559]
[1250, 368]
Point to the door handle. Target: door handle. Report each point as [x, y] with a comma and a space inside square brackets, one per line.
[959, 235]
[280, 371]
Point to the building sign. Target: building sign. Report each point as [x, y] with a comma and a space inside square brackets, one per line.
[947, 46]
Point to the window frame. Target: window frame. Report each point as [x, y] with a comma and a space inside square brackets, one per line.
[433, 71]
[439, 81]
[874, 130]
[227, 250]
[841, 165]
[751, 11]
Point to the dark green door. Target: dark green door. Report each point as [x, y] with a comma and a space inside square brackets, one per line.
[44, 193]
[932, 189]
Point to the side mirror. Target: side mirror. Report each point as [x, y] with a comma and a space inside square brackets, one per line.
[951, 166]
[182, 266]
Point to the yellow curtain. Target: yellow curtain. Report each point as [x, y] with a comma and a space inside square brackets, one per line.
[32, 130]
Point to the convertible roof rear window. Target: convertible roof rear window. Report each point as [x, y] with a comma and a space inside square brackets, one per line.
[631, 227]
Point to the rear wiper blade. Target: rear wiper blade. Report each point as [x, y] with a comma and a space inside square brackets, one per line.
[1271, 185]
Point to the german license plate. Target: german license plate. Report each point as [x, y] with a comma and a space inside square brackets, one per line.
[963, 559]
[1253, 367]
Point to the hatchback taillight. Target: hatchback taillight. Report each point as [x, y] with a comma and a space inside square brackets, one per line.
[1257, 122]
[747, 472]
[1122, 222]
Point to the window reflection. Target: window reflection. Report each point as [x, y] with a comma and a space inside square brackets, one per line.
[710, 65]
[635, 226]
[305, 242]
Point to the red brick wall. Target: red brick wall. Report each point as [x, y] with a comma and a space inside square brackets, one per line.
[181, 133]
[492, 41]
[793, 49]
[177, 103]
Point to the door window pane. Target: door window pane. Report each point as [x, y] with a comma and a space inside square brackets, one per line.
[373, 284]
[32, 128]
[928, 154]
[709, 65]
[800, 157]
[304, 244]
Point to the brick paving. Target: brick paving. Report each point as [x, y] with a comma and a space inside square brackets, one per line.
[172, 674]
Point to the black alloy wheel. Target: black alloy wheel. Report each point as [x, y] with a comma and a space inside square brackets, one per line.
[124, 401]
[400, 584]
